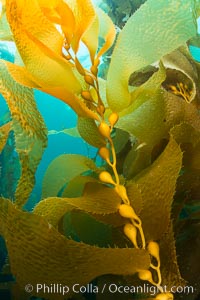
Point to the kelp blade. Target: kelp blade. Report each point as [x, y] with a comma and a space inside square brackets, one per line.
[155, 30]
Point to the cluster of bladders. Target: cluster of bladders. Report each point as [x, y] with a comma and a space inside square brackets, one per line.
[134, 225]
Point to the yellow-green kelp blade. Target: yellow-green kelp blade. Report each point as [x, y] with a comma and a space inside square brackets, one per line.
[155, 30]
[29, 130]
[62, 169]
[38, 253]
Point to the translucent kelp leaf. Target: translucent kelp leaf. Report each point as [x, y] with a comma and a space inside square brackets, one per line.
[4, 132]
[90, 38]
[52, 209]
[58, 12]
[97, 199]
[157, 184]
[76, 186]
[107, 31]
[140, 43]
[89, 132]
[169, 267]
[147, 122]
[84, 14]
[29, 130]
[5, 32]
[54, 258]
[39, 44]
[62, 169]
[21, 75]
[145, 91]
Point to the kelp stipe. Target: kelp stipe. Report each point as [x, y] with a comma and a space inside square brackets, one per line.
[144, 122]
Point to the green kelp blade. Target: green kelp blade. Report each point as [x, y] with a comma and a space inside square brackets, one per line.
[62, 169]
[4, 132]
[29, 130]
[157, 184]
[40, 254]
[89, 132]
[155, 29]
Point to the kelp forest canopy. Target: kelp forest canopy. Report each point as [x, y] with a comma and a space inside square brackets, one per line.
[129, 216]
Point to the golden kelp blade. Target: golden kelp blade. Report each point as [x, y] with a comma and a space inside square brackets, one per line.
[58, 12]
[4, 132]
[102, 27]
[90, 38]
[23, 77]
[84, 14]
[40, 49]
[29, 130]
[141, 42]
[39, 253]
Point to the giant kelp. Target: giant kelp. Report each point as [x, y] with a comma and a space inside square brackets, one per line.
[145, 123]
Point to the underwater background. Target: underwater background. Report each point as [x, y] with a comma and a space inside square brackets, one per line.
[64, 138]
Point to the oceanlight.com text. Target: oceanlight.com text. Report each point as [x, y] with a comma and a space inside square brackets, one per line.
[58, 288]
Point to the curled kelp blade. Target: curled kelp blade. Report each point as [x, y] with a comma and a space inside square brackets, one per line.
[107, 31]
[52, 209]
[84, 14]
[59, 13]
[23, 76]
[182, 76]
[55, 258]
[102, 28]
[29, 130]
[41, 47]
[142, 43]
[157, 189]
